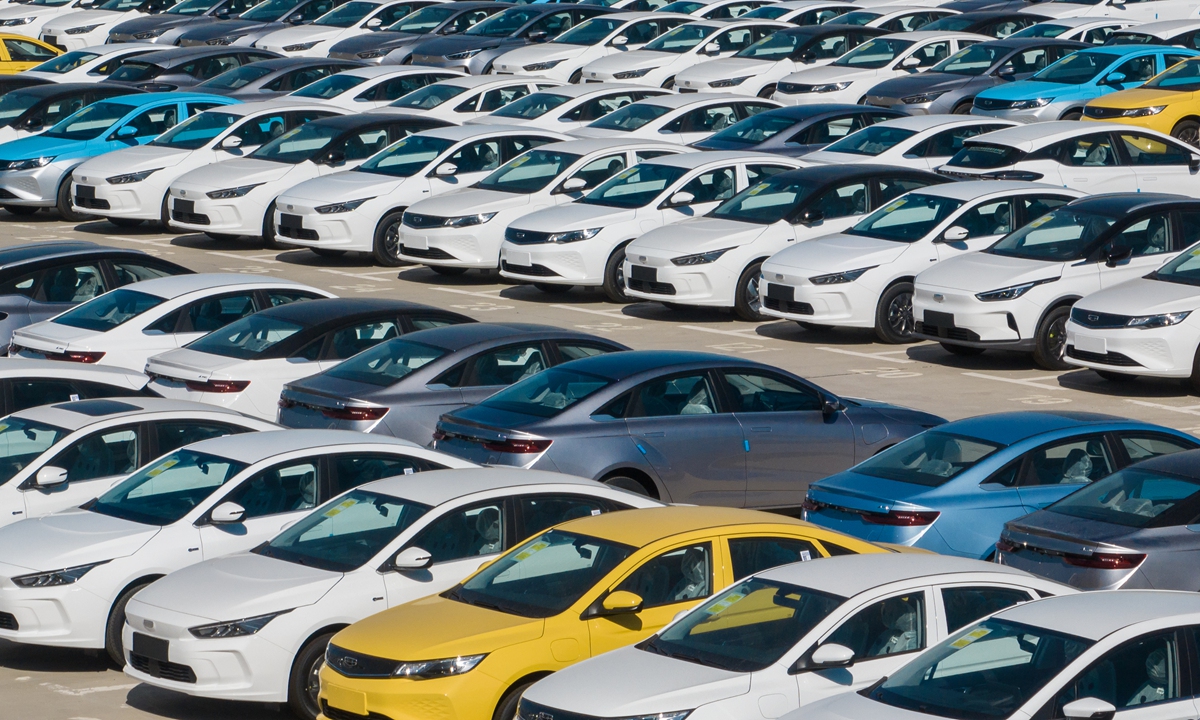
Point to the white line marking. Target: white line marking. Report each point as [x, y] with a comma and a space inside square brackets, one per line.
[79, 692]
[353, 275]
[872, 356]
[258, 258]
[1186, 410]
[1029, 382]
[489, 294]
[617, 314]
[734, 333]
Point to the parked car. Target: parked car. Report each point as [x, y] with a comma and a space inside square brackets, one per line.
[31, 383]
[30, 110]
[347, 20]
[567, 107]
[178, 68]
[796, 130]
[993, 23]
[165, 28]
[393, 45]
[368, 88]
[19, 53]
[1091, 30]
[459, 99]
[270, 79]
[684, 118]
[923, 141]
[264, 18]
[1164, 104]
[89, 65]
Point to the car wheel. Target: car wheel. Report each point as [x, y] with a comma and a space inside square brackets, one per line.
[669, 83]
[553, 288]
[1050, 342]
[629, 484]
[964, 107]
[1115, 376]
[747, 303]
[1193, 382]
[304, 681]
[894, 314]
[767, 92]
[64, 204]
[507, 709]
[221, 237]
[20, 210]
[962, 350]
[327, 253]
[813, 327]
[576, 77]
[385, 249]
[164, 214]
[614, 277]
[125, 222]
[1072, 115]
[268, 231]
[1188, 131]
[447, 271]
[113, 644]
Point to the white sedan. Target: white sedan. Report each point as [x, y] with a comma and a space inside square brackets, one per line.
[460, 99]
[923, 141]
[374, 547]
[91, 64]
[28, 18]
[1084, 29]
[684, 119]
[360, 211]
[802, 12]
[84, 28]
[549, 175]
[124, 327]
[367, 88]
[69, 576]
[849, 78]
[1138, 12]
[347, 20]
[583, 243]
[789, 636]
[862, 277]
[564, 57]
[131, 186]
[568, 107]
[660, 60]
[57, 457]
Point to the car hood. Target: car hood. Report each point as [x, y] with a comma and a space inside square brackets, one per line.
[36, 146]
[87, 17]
[1144, 97]
[434, 627]
[722, 68]
[852, 706]
[226, 27]
[834, 253]
[981, 272]
[541, 52]
[12, 12]
[153, 22]
[632, 60]
[238, 586]
[376, 41]
[54, 334]
[920, 83]
[1142, 296]
[299, 34]
[633, 682]
[450, 45]
[69, 539]
[1028, 90]
[240, 171]
[187, 364]
[697, 235]
[349, 185]
[833, 74]
[469, 199]
[574, 216]
[134, 159]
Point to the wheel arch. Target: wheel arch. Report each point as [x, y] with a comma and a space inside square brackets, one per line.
[528, 678]
[638, 474]
[1065, 301]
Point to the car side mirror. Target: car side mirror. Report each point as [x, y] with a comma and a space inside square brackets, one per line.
[335, 157]
[1117, 3]
[538, 35]
[1117, 253]
[295, 19]
[449, 30]
[619, 41]
[812, 216]
[910, 63]
[128, 132]
[830, 407]
[957, 233]
[33, 123]
[621, 602]
[50, 476]
[231, 142]
[808, 57]
[681, 198]
[374, 23]
[712, 49]
[831, 655]
[571, 185]
[1089, 708]
[446, 170]
[412, 558]
[1114, 78]
[227, 513]
[1194, 162]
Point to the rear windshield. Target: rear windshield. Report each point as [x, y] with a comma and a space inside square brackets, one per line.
[1134, 497]
[330, 87]
[984, 156]
[67, 62]
[930, 459]
[135, 71]
[247, 338]
[109, 310]
[548, 393]
[387, 363]
[234, 79]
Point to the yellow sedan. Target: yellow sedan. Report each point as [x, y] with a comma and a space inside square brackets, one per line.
[19, 53]
[582, 588]
[1168, 102]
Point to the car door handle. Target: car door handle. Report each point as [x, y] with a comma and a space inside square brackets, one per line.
[653, 434]
[761, 428]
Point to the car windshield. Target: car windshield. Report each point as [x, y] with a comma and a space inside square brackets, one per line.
[247, 338]
[985, 156]
[330, 86]
[22, 441]
[1184, 269]
[972, 61]
[429, 97]
[989, 670]
[197, 131]
[1041, 30]
[164, 491]
[121, 5]
[636, 187]
[234, 79]
[504, 23]
[544, 576]
[1064, 234]
[1079, 2]
[766, 12]
[109, 310]
[930, 459]
[13, 105]
[764, 203]
[858, 17]
[547, 393]
[685, 7]
[346, 15]
[874, 54]
[681, 39]
[192, 7]
[529, 173]
[269, 11]
[590, 32]
[407, 157]
[747, 628]
[906, 219]
[1133, 497]
[387, 363]
[532, 106]
[631, 117]
[66, 62]
[755, 129]
[424, 20]
[298, 144]
[344, 533]
[90, 122]
[1184, 76]
[1076, 68]
[778, 46]
[871, 141]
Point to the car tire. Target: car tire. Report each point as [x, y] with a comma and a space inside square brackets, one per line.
[447, 270]
[507, 707]
[669, 83]
[767, 92]
[125, 222]
[21, 210]
[553, 288]
[164, 214]
[614, 277]
[385, 248]
[1072, 115]
[813, 327]
[1050, 340]
[629, 484]
[894, 315]
[961, 350]
[747, 303]
[302, 680]
[576, 77]
[113, 643]
[964, 107]
[1115, 377]
[64, 204]
[327, 253]
[1187, 131]
[221, 237]
[268, 230]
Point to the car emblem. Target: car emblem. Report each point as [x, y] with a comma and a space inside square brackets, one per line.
[148, 624]
[291, 207]
[778, 276]
[83, 179]
[183, 192]
[348, 662]
[641, 258]
[938, 297]
[1093, 318]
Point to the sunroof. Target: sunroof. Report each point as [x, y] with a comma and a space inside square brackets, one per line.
[97, 408]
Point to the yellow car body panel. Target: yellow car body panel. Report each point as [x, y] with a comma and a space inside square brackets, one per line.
[8, 66]
[1178, 105]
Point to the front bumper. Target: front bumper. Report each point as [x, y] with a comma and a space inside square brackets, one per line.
[849, 96]
[470, 66]
[656, 278]
[958, 318]
[67, 43]
[37, 187]
[472, 247]
[354, 230]
[580, 263]
[235, 216]
[64, 616]
[1156, 352]
[140, 200]
[849, 304]
[462, 697]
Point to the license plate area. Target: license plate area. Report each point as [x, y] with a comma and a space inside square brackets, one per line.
[1091, 344]
[785, 293]
[151, 647]
[185, 206]
[291, 221]
[643, 273]
[939, 319]
[86, 192]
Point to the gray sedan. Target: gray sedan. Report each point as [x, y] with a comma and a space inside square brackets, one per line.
[1135, 528]
[680, 426]
[403, 386]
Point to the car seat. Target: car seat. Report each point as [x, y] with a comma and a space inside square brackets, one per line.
[699, 402]
[1002, 220]
[487, 525]
[694, 583]
[62, 285]
[1156, 686]
[1097, 157]
[723, 186]
[1077, 467]
[900, 629]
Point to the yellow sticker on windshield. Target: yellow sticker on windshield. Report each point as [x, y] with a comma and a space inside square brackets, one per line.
[724, 603]
[162, 468]
[627, 174]
[969, 638]
[3, 427]
[758, 188]
[532, 550]
[1040, 221]
[519, 161]
[894, 206]
[343, 505]
[1194, 253]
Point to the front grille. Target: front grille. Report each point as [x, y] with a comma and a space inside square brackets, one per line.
[8, 621]
[189, 218]
[357, 665]
[6, 195]
[333, 713]
[426, 253]
[954, 333]
[788, 88]
[532, 270]
[162, 669]
[878, 101]
[1102, 112]
[1109, 358]
[526, 237]
[413, 220]
[297, 233]
[1088, 318]
[688, 90]
[654, 288]
[992, 104]
[788, 306]
[92, 203]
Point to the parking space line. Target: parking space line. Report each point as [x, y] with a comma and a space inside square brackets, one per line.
[872, 356]
[79, 692]
[1028, 382]
[489, 294]
[268, 258]
[606, 313]
[733, 333]
[364, 276]
[1186, 409]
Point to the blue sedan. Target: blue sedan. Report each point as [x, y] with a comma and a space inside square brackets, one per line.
[951, 489]
[35, 171]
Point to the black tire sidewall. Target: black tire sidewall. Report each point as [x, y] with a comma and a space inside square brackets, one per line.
[507, 708]
[627, 483]
[1041, 354]
[113, 642]
[297, 692]
[882, 329]
[741, 305]
[378, 252]
[612, 290]
[63, 203]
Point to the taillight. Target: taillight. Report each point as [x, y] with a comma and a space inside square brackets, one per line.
[439, 435]
[901, 518]
[286, 404]
[355, 413]
[80, 357]
[1005, 546]
[218, 386]
[519, 447]
[1106, 561]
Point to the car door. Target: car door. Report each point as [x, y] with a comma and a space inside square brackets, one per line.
[124, 272]
[985, 222]
[962, 604]
[707, 187]
[273, 498]
[198, 318]
[472, 162]
[1059, 468]
[353, 339]
[94, 463]
[1142, 246]
[1160, 165]
[1138, 445]
[64, 286]
[1090, 163]
[694, 445]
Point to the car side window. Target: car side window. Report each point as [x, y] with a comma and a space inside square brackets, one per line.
[1139, 672]
[1137, 70]
[154, 121]
[1089, 151]
[1098, 36]
[965, 605]
[1024, 62]
[1146, 150]
[553, 24]
[394, 13]
[477, 157]
[826, 131]
[354, 469]
[668, 397]
[103, 453]
[708, 119]
[1171, 59]
[35, 392]
[539, 512]
[750, 109]
[364, 144]
[469, 532]
[1035, 206]
[1064, 462]
[577, 351]
[27, 51]
[732, 40]
[506, 365]
[849, 199]
[755, 392]
[750, 555]
[353, 340]
[600, 169]
[72, 284]
[989, 218]
[21, 285]
[829, 47]
[425, 323]
[892, 188]
[261, 130]
[1148, 236]
[1139, 446]
[286, 487]
[286, 297]
[644, 155]
[713, 185]
[933, 53]
[755, 173]
[314, 10]
[128, 272]
[59, 109]
[514, 146]
[174, 434]
[889, 627]
[677, 575]
[598, 108]
[397, 88]
[1189, 231]
[217, 312]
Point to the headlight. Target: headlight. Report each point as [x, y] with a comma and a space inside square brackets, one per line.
[227, 193]
[699, 258]
[432, 669]
[342, 206]
[368, 54]
[541, 66]
[1011, 293]
[82, 30]
[839, 277]
[1143, 112]
[677, 715]
[1157, 321]
[469, 220]
[922, 98]
[573, 235]
[28, 164]
[831, 87]
[131, 177]
[1030, 104]
[628, 74]
[730, 82]
[224, 40]
[464, 54]
[66, 576]
[234, 628]
[18, 21]
[149, 34]
[300, 47]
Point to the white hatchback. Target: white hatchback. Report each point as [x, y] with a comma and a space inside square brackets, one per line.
[367, 88]
[345, 21]
[460, 99]
[923, 141]
[568, 107]
[683, 119]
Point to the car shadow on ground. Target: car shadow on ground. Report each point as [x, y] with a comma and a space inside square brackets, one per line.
[40, 659]
[41, 217]
[177, 706]
[1144, 387]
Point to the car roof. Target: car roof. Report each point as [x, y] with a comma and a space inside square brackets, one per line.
[81, 413]
[803, 4]
[1030, 136]
[18, 255]
[290, 63]
[375, 71]
[629, 15]
[618, 366]
[174, 55]
[1024, 42]
[109, 49]
[830, 28]
[989, 14]
[355, 121]
[920, 123]
[849, 575]
[1120, 50]
[176, 285]
[19, 366]
[253, 447]
[693, 160]
[591, 145]
[250, 108]
[683, 100]
[922, 35]
[136, 101]
[456, 337]
[1093, 615]
[1077, 21]
[1167, 28]
[474, 81]
[435, 487]
[458, 133]
[1012, 427]
[1185, 463]
[649, 525]
[819, 175]
[311, 313]
[56, 89]
[804, 112]
[1120, 205]
[583, 89]
[969, 190]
